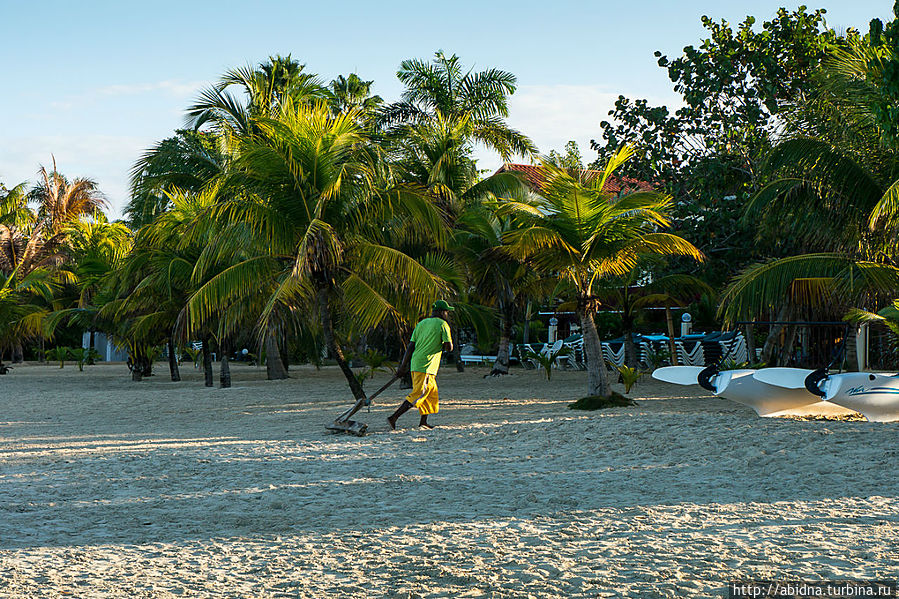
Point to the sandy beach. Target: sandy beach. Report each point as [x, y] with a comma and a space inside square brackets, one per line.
[110, 488]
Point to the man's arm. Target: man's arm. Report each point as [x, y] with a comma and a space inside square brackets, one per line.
[447, 346]
[403, 368]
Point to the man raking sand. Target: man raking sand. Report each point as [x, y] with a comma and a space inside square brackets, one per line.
[430, 339]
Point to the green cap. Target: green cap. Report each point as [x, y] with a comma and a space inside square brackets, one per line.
[442, 305]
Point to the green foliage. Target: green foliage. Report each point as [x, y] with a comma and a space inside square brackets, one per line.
[599, 402]
[375, 362]
[195, 355]
[629, 376]
[709, 153]
[658, 358]
[547, 360]
[80, 355]
[58, 354]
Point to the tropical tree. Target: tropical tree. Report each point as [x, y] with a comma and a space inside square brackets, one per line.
[352, 92]
[187, 161]
[310, 205]
[96, 249]
[264, 89]
[837, 177]
[477, 101]
[496, 278]
[582, 234]
[34, 238]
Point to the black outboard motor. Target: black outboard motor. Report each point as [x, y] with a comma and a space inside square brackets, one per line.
[704, 378]
[812, 381]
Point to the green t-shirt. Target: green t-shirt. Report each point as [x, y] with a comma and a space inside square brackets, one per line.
[429, 336]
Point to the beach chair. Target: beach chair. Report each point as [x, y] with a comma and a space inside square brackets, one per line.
[548, 350]
[690, 351]
[613, 351]
[526, 356]
[469, 355]
[733, 347]
[573, 359]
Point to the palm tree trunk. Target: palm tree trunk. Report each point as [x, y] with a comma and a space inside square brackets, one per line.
[324, 312]
[671, 346]
[90, 348]
[207, 362]
[750, 343]
[503, 353]
[173, 361]
[274, 366]
[597, 381]
[630, 349]
[773, 334]
[224, 367]
[18, 354]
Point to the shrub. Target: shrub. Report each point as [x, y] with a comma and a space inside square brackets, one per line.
[598, 402]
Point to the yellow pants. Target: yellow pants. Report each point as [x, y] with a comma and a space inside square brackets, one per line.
[424, 393]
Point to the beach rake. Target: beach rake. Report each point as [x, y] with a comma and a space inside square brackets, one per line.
[343, 424]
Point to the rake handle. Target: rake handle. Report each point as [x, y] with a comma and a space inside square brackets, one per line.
[365, 400]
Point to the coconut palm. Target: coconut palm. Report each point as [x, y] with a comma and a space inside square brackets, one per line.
[309, 205]
[264, 90]
[582, 234]
[33, 239]
[346, 93]
[187, 161]
[476, 100]
[95, 250]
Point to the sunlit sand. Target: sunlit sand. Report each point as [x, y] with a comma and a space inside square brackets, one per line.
[110, 488]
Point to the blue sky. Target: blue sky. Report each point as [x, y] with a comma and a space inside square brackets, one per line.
[95, 83]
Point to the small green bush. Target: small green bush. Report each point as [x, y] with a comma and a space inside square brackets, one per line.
[598, 402]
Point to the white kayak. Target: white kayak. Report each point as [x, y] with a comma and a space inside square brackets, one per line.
[742, 387]
[875, 396]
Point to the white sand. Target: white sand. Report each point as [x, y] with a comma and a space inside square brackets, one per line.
[110, 488]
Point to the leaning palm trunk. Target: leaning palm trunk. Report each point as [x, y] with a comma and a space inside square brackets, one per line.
[773, 335]
[503, 353]
[173, 360]
[597, 381]
[324, 311]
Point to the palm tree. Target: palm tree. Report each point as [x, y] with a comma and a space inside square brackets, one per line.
[265, 89]
[668, 292]
[346, 93]
[35, 239]
[582, 234]
[496, 278]
[187, 161]
[442, 89]
[837, 179]
[310, 210]
[96, 249]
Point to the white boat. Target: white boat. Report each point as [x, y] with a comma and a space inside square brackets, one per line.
[875, 396]
[742, 387]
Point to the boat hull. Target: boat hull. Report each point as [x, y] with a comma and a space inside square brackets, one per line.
[768, 400]
[875, 396]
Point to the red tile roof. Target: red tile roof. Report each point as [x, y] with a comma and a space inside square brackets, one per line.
[535, 176]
